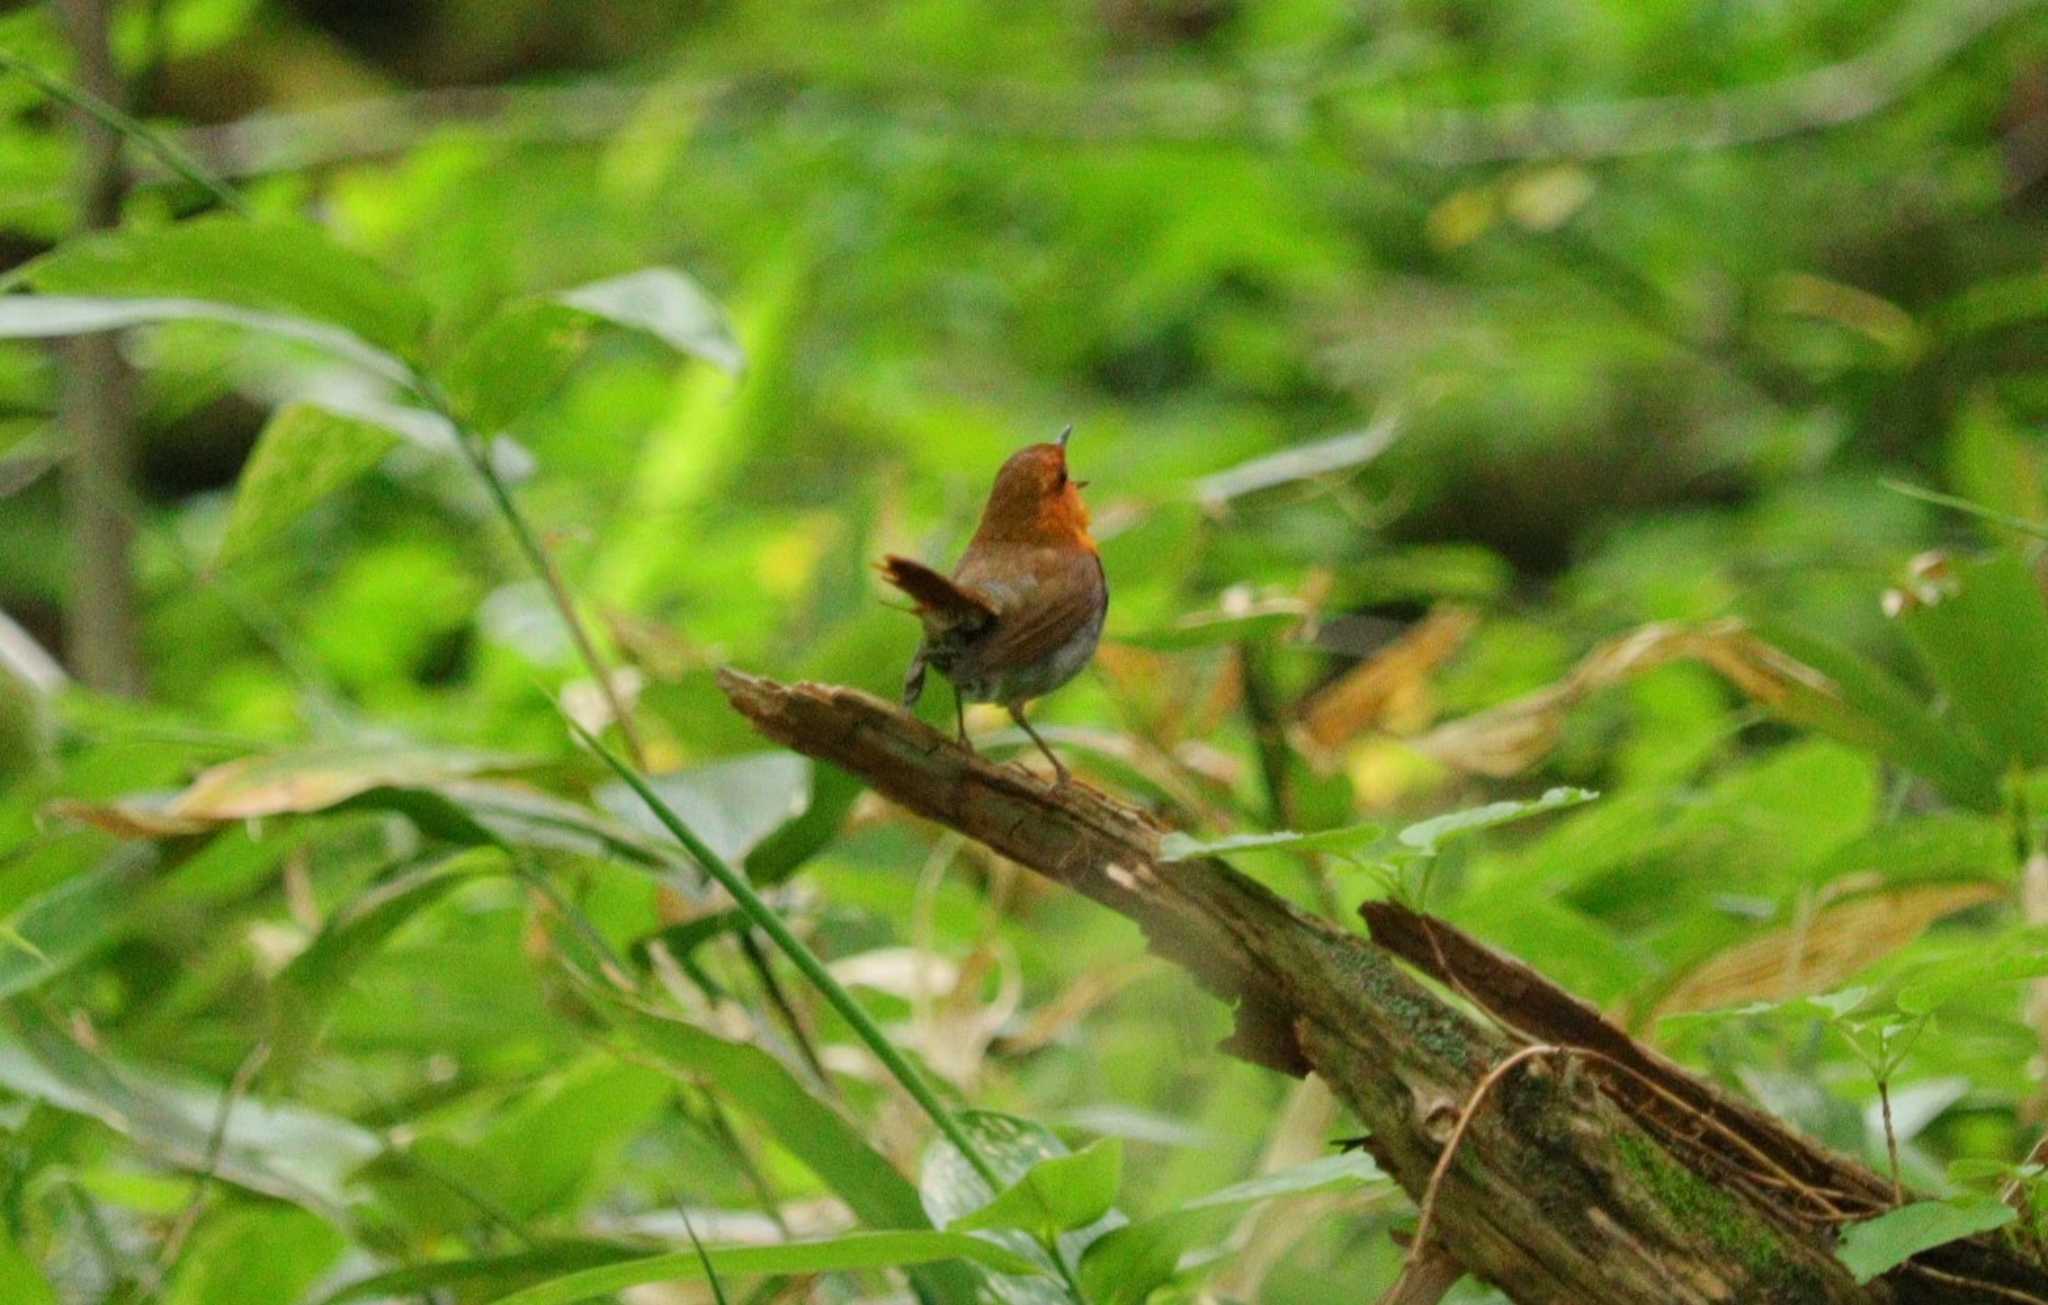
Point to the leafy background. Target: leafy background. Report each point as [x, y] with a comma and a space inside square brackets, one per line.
[1478, 399]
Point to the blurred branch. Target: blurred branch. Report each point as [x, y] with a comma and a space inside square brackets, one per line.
[98, 399]
[1918, 45]
[1155, 109]
[1597, 1173]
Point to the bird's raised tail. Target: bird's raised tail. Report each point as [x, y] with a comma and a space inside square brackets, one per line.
[947, 609]
[934, 594]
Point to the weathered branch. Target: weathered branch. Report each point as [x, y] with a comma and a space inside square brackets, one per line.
[1597, 1173]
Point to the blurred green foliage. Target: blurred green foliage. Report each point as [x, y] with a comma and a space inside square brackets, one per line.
[1422, 356]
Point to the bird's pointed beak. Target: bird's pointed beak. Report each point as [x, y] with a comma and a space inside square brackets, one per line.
[1066, 435]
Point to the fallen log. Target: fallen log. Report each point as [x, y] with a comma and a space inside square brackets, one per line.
[1554, 1156]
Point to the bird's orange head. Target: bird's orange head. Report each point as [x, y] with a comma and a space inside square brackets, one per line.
[1035, 501]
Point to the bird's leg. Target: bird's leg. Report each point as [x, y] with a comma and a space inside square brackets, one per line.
[960, 716]
[1059, 771]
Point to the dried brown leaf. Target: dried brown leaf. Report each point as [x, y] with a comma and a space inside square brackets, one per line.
[1824, 950]
[1508, 739]
[1360, 699]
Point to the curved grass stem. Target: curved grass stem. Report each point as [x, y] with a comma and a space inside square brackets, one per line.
[800, 955]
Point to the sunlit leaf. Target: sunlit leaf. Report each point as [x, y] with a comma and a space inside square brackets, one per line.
[667, 304]
[1057, 1194]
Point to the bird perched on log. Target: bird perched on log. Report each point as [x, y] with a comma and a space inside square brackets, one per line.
[1022, 612]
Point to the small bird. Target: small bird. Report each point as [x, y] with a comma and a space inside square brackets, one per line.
[1023, 611]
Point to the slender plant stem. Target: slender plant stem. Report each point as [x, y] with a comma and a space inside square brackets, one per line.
[801, 956]
[1059, 1261]
[543, 563]
[772, 988]
[1891, 1139]
[115, 120]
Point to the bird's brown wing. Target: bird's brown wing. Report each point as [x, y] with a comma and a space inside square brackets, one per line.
[1065, 592]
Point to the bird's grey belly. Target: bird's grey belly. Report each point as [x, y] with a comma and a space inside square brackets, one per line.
[1015, 684]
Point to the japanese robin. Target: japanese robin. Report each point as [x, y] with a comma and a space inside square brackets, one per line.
[1022, 612]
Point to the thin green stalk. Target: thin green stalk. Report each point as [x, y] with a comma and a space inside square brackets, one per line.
[2020, 525]
[479, 456]
[115, 120]
[801, 956]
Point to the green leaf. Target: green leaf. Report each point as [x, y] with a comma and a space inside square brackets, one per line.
[812, 1131]
[255, 1256]
[1875, 711]
[1426, 836]
[311, 982]
[868, 1250]
[516, 360]
[733, 805]
[280, 1150]
[25, 1282]
[1832, 1007]
[70, 920]
[304, 454]
[1982, 630]
[1064, 1192]
[1958, 977]
[1124, 1266]
[1180, 847]
[669, 305]
[1336, 455]
[783, 852]
[274, 267]
[1870, 1248]
[496, 1274]
[952, 1191]
[38, 317]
